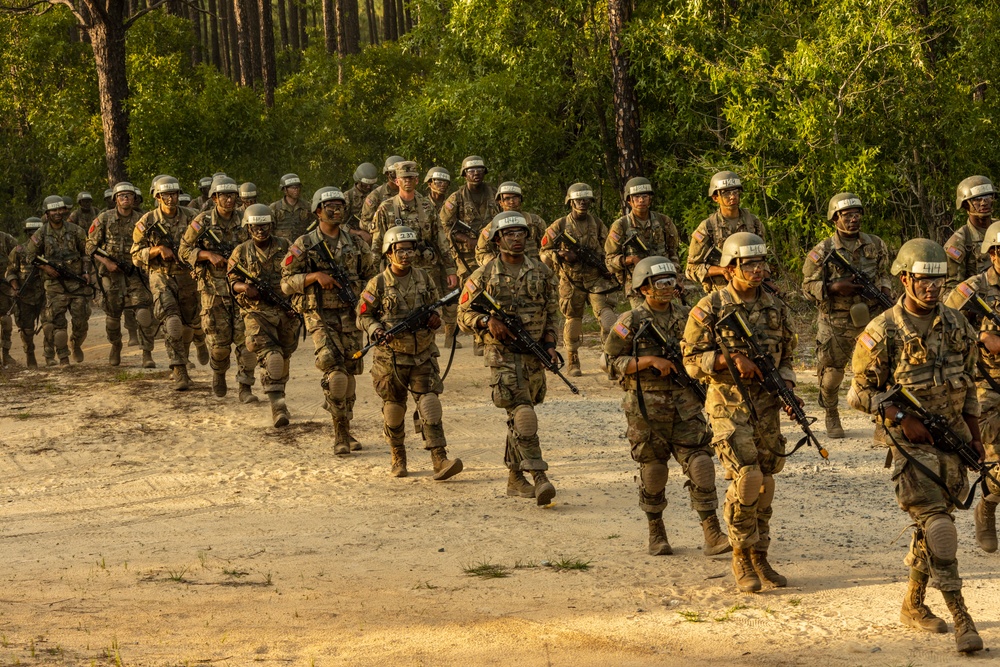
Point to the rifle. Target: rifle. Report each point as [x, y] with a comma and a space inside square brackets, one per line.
[224, 248]
[868, 289]
[584, 255]
[649, 331]
[415, 321]
[64, 273]
[127, 268]
[21, 290]
[523, 341]
[338, 273]
[773, 382]
[979, 307]
[634, 240]
[945, 440]
[715, 256]
[267, 294]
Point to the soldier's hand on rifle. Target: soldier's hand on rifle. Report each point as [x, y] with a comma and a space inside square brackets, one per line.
[632, 260]
[434, 321]
[110, 267]
[915, 431]
[714, 270]
[745, 367]
[663, 366]
[788, 408]
[324, 280]
[990, 341]
[215, 259]
[567, 256]
[249, 291]
[452, 280]
[463, 238]
[844, 287]
[381, 337]
[165, 253]
[49, 271]
[499, 330]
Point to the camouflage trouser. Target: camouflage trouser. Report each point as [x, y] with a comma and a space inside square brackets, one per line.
[273, 337]
[573, 301]
[123, 294]
[749, 456]
[676, 428]
[6, 322]
[222, 322]
[27, 315]
[336, 339]
[518, 387]
[393, 381]
[176, 296]
[835, 340]
[989, 428]
[57, 302]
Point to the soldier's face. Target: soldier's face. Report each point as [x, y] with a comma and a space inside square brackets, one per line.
[475, 175]
[293, 191]
[225, 202]
[85, 204]
[749, 272]
[57, 215]
[407, 183]
[204, 191]
[333, 211]
[512, 240]
[641, 203]
[995, 259]
[510, 202]
[661, 289]
[729, 198]
[402, 254]
[260, 233]
[580, 206]
[925, 290]
[168, 201]
[125, 201]
[981, 205]
[849, 221]
[438, 186]
[364, 188]
[248, 201]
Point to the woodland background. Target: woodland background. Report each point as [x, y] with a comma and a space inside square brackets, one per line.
[891, 99]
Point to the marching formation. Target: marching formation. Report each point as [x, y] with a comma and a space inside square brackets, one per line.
[383, 268]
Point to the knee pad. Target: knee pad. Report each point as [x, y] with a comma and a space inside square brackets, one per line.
[60, 338]
[525, 421]
[766, 492]
[144, 317]
[393, 414]
[248, 359]
[274, 364]
[702, 471]
[112, 324]
[941, 537]
[429, 407]
[336, 382]
[653, 477]
[220, 353]
[574, 328]
[173, 327]
[748, 484]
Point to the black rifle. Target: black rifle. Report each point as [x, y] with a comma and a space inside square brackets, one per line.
[415, 321]
[773, 382]
[868, 288]
[126, 267]
[523, 342]
[634, 240]
[22, 289]
[212, 242]
[945, 440]
[584, 255]
[978, 306]
[64, 273]
[670, 352]
[268, 294]
[338, 273]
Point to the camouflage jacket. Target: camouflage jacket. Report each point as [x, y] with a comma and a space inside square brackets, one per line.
[485, 250]
[433, 251]
[711, 233]
[261, 263]
[658, 233]
[618, 345]
[211, 281]
[291, 221]
[868, 254]
[19, 269]
[590, 233]
[155, 229]
[964, 258]
[372, 201]
[387, 300]
[66, 245]
[355, 205]
[987, 286]
[113, 234]
[307, 255]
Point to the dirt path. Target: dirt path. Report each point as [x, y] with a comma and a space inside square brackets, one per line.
[158, 528]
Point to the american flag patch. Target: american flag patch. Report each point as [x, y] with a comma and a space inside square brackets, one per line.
[954, 251]
[966, 291]
[450, 205]
[622, 330]
[698, 235]
[470, 286]
[485, 232]
[615, 236]
[195, 225]
[867, 341]
[295, 250]
[814, 256]
[368, 296]
[35, 238]
[698, 314]
[141, 227]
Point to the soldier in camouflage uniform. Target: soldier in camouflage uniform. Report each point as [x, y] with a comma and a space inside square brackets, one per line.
[247, 197]
[271, 333]
[291, 213]
[63, 243]
[109, 200]
[204, 185]
[466, 212]
[379, 194]
[7, 245]
[111, 234]
[84, 213]
[843, 312]
[750, 451]
[930, 350]
[206, 245]
[30, 306]
[664, 418]
[524, 287]
[406, 363]
[365, 180]
[510, 198]
[975, 195]
[725, 189]
[176, 306]
[411, 209]
[986, 285]
[438, 182]
[306, 276]
[653, 230]
[579, 283]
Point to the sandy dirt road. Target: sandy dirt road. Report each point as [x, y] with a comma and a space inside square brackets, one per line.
[146, 527]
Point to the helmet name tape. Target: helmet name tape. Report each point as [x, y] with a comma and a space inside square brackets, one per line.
[249, 193]
[983, 189]
[512, 221]
[52, 205]
[331, 194]
[662, 267]
[123, 187]
[168, 186]
[728, 183]
[849, 203]
[440, 175]
[509, 190]
[638, 189]
[405, 236]
[369, 181]
[292, 181]
[582, 194]
[257, 219]
[226, 187]
[756, 250]
[929, 268]
[474, 163]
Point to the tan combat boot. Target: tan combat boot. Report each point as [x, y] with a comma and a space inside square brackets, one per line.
[573, 365]
[31, 361]
[341, 441]
[986, 525]
[450, 333]
[518, 486]
[443, 467]
[219, 387]
[545, 491]
[398, 461]
[246, 394]
[147, 359]
[716, 541]
[833, 427]
[743, 571]
[279, 411]
[765, 571]
[77, 352]
[203, 356]
[182, 381]
[7, 360]
[915, 613]
[658, 544]
[115, 355]
[355, 445]
[51, 361]
[967, 639]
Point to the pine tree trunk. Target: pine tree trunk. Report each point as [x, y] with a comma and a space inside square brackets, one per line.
[331, 36]
[400, 19]
[389, 20]
[108, 43]
[268, 69]
[372, 22]
[233, 41]
[283, 24]
[303, 24]
[293, 25]
[213, 29]
[243, 37]
[626, 104]
[253, 34]
[349, 26]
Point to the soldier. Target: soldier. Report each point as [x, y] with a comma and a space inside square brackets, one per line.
[510, 198]
[306, 275]
[65, 244]
[527, 288]
[291, 214]
[438, 182]
[365, 180]
[7, 245]
[206, 245]
[408, 362]
[271, 333]
[467, 212]
[975, 194]
[664, 417]
[109, 241]
[204, 185]
[109, 200]
[930, 350]
[986, 285]
[750, 451]
[637, 228]
[578, 281]
[411, 209]
[379, 194]
[30, 305]
[843, 311]
[84, 213]
[155, 243]
[725, 189]
[247, 197]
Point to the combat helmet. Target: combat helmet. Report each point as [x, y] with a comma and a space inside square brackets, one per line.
[53, 203]
[991, 238]
[509, 188]
[247, 190]
[578, 191]
[973, 186]
[390, 164]
[257, 214]
[326, 194]
[740, 246]
[920, 256]
[223, 184]
[650, 267]
[397, 234]
[506, 220]
[33, 223]
[437, 174]
[724, 180]
[122, 186]
[842, 201]
[288, 180]
[473, 161]
[366, 173]
[165, 184]
[84, 196]
[638, 186]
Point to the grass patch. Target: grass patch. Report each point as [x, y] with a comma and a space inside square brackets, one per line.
[691, 616]
[524, 564]
[235, 574]
[795, 602]
[22, 416]
[612, 536]
[571, 564]
[177, 575]
[486, 570]
[729, 612]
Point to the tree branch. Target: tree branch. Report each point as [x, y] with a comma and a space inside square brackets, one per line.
[51, 3]
[142, 12]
